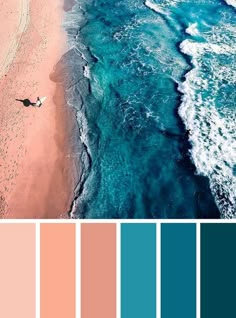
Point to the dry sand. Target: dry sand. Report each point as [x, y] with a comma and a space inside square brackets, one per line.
[36, 179]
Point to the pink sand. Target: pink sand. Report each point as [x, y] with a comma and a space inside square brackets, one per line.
[36, 178]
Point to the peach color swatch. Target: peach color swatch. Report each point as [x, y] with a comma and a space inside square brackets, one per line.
[98, 270]
[57, 273]
[17, 270]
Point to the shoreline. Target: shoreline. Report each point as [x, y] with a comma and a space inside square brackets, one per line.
[96, 166]
[37, 166]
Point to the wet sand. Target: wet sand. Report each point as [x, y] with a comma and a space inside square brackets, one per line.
[36, 178]
[68, 4]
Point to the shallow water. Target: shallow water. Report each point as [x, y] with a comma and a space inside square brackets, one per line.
[155, 94]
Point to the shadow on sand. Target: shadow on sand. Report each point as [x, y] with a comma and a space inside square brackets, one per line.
[26, 102]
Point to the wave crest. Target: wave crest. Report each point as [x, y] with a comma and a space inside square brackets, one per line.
[231, 3]
[211, 123]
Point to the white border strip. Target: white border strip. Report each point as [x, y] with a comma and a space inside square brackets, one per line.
[118, 271]
[198, 270]
[78, 270]
[158, 270]
[37, 270]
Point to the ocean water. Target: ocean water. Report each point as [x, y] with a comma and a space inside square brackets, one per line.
[153, 83]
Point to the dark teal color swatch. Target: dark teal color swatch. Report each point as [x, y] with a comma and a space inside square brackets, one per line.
[218, 270]
[178, 270]
[138, 271]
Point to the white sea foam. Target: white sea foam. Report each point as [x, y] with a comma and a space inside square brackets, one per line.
[87, 72]
[196, 49]
[231, 3]
[151, 114]
[192, 29]
[153, 6]
[212, 132]
[161, 6]
[83, 128]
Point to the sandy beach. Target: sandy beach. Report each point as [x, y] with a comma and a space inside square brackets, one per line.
[36, 179]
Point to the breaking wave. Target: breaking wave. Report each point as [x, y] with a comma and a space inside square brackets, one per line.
[231, 3]
[208, 113]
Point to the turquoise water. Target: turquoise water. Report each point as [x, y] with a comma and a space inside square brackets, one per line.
[155, 94]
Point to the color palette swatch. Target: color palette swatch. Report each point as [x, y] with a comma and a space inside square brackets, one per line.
[57, 270]
[17, 270]
[138, 270]
[218, 270]
[178, 270]
[97, 270]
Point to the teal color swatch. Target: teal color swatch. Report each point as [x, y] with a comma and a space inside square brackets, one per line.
[138, 271]
[218, 270]
[178, 270]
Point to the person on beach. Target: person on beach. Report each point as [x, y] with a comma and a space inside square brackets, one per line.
[38, 103]
[28, 103]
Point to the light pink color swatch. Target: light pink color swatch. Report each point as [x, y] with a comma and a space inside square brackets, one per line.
[17, 270]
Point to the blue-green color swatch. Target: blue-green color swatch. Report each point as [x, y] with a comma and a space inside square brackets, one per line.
[178, 270]
[218, 270]
[138, 271]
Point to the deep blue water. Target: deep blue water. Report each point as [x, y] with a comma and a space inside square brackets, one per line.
[154, 87]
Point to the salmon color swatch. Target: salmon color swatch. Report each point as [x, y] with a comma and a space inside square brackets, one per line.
[17, 270]
[98, 270]
[57, 274]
